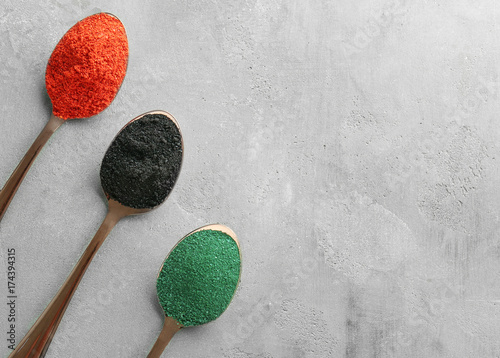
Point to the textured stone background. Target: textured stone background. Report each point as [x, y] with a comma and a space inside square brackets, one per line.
[352, 145]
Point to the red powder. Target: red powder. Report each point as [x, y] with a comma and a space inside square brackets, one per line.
[87, 67]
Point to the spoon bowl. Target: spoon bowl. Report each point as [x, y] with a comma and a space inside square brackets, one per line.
[36, 342]
[197, 280]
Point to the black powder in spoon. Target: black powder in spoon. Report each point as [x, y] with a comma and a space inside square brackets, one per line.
[143, 162]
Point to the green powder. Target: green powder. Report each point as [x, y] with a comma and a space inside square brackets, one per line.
[199, 277]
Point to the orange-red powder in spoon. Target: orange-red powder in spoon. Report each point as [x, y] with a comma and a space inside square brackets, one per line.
[87, 67]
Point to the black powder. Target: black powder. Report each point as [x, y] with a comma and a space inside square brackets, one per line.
[143, 162]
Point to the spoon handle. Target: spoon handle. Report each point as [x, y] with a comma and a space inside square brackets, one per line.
[170, 327]
[36, 342]
[15, 180]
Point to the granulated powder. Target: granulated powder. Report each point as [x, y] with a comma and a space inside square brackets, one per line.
[87, 67]
[143, 162]
[199, 277]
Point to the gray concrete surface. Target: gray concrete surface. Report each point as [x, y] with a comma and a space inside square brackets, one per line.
[352, 145]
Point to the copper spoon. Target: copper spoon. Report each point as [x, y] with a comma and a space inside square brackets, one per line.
[15, 180]
[36, 342]
[171, 326]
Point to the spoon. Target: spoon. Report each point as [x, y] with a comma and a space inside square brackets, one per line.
[76, 93]
[197, 280]
[132, 143]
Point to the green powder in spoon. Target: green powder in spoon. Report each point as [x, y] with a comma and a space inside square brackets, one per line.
[199, 277]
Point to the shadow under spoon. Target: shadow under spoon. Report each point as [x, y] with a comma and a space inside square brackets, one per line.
[138, 172]
[68, 89]
[197, 280]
